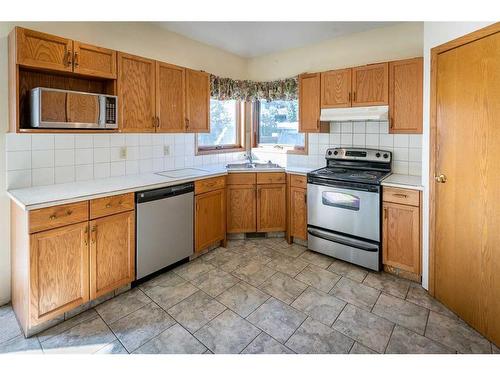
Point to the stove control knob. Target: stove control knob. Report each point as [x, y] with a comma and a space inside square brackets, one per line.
[329, 153]
[335, 152]
[377, 154]
[386, 156]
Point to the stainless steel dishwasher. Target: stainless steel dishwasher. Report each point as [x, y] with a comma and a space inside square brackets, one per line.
[164, 227]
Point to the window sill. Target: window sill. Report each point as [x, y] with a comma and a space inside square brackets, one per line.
[283, 150]
[219, 151]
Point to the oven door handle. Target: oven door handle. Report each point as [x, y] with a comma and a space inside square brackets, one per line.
[342, 240]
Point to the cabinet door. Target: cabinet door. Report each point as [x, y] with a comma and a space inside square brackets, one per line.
[271, 208]
[136, 93]
[170, 98]
[298, 213]
[94, 61]
[59, 271]
[112, 252]
[45, 51]
[210, 218]
[241, 208]
[370, 85]
[197, 101]
[309, 102]
[336, 89]
[401, 237]
[405, 96]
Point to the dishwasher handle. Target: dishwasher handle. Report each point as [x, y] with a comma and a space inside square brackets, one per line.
[162, 193]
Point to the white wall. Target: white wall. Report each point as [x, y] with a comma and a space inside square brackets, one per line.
[435, 33]
[388, 43]
[138, 38]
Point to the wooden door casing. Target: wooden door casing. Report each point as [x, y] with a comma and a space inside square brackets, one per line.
[271, 208]
[197, 101]
[112, 253]
[406, 96]
[401, 237]
[370, 85]
[45, 51]
[336, 88]
[170, 98]
[210, 218]
[241, 208]
[136, 92]
[59, 277]
[465, 109]
[298, 213]
[94, 61]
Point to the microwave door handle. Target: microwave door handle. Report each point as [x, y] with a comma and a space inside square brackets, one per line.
[102, 111]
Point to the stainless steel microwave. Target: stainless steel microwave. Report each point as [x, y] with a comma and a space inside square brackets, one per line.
[65, 109]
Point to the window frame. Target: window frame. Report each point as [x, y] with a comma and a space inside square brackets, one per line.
[216, 149]
[299, 150]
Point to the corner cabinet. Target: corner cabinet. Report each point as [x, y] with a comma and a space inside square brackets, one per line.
[309, 104]
[401, 232]
[64, 256]
[197, 101]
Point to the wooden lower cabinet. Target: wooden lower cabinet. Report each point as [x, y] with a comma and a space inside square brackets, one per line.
[209, 219]
[298, 213]
[112, 253]
[401, 238]
[59, 277]
[271, 208]
[241, 208]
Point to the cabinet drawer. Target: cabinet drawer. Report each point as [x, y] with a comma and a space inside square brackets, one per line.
[401, 196]
[210, 184]
[241, 178]
[111, 205]
[271, 178]
[58, 216]
[298, 181]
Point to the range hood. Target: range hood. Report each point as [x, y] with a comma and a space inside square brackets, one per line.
[377, 113]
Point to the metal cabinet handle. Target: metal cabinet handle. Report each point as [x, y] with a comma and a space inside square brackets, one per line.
[385, 213]
[354, 96]
[69, 212]
[52, 217]
[108, 205]
[349, 97]
[75, 59]
[94, 231]
[67, 58]
[401, 195]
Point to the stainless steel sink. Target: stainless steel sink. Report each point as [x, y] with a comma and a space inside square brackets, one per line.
[252, 165]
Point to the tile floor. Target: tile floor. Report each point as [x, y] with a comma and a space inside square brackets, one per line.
[259, 296]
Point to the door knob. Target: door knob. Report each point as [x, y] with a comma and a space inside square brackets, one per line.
[441, 178]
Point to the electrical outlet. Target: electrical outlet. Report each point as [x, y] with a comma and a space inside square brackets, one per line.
[123, 152]
[166, 150]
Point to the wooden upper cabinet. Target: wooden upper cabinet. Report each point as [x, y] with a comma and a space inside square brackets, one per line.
[94, 61]
[197, 101]
[59, 260]
[39, 50]
[370, 85]
[136, 93]
[271, 208]
[112, 252]
[336, 88]
[309, 102]
[210, 218]
[405, 96]
[170, 98]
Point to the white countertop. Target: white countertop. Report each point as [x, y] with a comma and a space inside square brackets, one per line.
[403, 181]
[46, 196]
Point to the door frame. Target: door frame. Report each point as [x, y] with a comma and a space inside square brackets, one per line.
[435, 52]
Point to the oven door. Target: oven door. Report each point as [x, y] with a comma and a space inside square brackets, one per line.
[354, 211]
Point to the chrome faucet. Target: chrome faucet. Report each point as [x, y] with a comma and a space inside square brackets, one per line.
[248, 156]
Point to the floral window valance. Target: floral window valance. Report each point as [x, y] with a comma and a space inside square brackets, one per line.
[231, 89]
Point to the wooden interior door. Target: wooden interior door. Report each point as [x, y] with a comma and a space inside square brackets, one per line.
[197, 101]
[298, 213]
[271, 208]
[170, 98]
[241, 208]
[94, 61]
[401, 237]
[406, 95]
[466, 247]
[336, 89]
[112, 253]
[40, 50]
[59, 273]
[309, 102]
[370, 85]
[136, 94]
[210, 218]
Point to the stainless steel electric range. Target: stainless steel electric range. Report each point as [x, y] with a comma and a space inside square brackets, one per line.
[344, 205]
